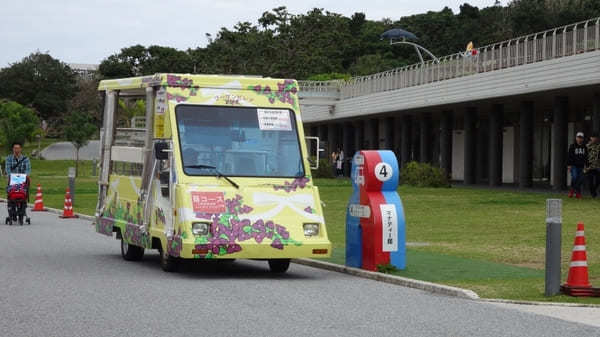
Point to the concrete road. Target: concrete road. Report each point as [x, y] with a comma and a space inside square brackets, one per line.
[60, 278]
[66, 151]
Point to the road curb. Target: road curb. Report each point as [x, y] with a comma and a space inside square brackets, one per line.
[57, 211]
[538, 303]
[79, 215]
[393, 279]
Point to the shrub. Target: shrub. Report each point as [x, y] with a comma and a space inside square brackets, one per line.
[330, 76]
[423, 175]
[17, 123]
[325, 169]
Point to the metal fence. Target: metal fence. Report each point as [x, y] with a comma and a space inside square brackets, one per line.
[555, 43]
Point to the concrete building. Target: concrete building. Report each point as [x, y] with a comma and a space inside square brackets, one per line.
[503, 115]
[85, 71]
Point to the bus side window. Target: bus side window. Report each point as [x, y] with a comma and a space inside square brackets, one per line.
[163, 176]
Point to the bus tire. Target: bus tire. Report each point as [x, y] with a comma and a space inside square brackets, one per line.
[279, 266]
[168, 263]
[131, 252]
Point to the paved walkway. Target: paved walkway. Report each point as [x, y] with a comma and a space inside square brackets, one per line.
[583, 315]
[66, 151]
[60, 278]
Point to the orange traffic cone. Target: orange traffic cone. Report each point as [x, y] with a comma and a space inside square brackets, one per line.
[68, 209]
[39, 201]
[578, 283]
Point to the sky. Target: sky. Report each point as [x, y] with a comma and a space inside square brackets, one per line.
[87, 31]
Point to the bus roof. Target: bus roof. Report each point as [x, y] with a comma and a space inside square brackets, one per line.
[182, 81]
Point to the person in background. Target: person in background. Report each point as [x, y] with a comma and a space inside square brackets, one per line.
[334, 156]
[339, 163]
[593, 164]
[577, 160]
[17, 162]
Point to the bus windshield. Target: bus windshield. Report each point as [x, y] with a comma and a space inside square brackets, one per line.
[238, 141]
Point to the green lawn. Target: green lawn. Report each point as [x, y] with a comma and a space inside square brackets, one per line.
[490, 241]
[52, 175]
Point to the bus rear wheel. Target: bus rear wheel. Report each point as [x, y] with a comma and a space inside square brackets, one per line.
[168, 263]
[279, 266]
[130, 252]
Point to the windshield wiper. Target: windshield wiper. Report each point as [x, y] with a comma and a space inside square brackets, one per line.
[219, 174]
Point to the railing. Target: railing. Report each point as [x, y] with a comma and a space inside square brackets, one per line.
[133, 137]
[555, 43]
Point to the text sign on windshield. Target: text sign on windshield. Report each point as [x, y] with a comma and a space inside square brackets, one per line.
[274, 120]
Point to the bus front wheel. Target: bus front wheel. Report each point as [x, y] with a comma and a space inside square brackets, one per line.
[279, 266]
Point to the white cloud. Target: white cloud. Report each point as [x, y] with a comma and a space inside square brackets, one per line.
[87, 31]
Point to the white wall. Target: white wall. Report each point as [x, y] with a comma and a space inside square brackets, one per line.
[508, 155]
[458, 149]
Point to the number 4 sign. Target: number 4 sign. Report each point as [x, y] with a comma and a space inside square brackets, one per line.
[383, 171]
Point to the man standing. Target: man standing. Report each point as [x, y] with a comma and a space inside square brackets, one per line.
[593, 164]
[17, 162]
[577, 161]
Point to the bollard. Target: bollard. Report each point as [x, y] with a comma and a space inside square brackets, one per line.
[94, 167]
[553, 242]
[72, 183]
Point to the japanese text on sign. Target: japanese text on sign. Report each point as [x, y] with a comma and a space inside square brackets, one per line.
[208, 202]
[161, 101]
[389, 222]
[274, 120]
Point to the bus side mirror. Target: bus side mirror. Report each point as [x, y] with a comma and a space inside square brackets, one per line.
[161, 150]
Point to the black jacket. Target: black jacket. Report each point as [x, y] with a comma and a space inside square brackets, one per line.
[578, 155]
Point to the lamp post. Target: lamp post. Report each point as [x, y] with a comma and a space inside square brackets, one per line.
[400, 36]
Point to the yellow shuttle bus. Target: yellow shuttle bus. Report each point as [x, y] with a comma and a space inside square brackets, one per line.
[216, 169]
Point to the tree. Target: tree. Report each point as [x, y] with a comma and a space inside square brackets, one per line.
[79, 130]
[88, 100]
[17, 123]
[139, 61]
[39, 81]
[127, 111]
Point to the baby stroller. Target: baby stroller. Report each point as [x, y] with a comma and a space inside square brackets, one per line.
[17, 193]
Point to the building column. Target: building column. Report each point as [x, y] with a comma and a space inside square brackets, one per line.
[332, 137]
[323, 138]
[348, 140]
[371, 134]
[382, 134]
[482, 149]
[596, 113]
[470, 120]
[495, 150]
[415, 141]
[560, 142]
[397, 136]
[358, 135]
[526, 145]
[425, 138]
[405, 136]
[388, 131]
[446, 126]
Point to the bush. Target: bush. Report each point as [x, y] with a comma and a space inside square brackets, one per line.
[330, 76]
[423, 175]
[325, 169]
[17, 123]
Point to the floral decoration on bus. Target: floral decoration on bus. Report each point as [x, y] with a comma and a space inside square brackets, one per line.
[285, 93]
[229, 228]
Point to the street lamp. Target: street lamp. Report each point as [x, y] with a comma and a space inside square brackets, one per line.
[400, 36]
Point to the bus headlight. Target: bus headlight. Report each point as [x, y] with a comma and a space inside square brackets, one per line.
[200, 228]
[311, 229]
